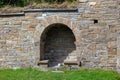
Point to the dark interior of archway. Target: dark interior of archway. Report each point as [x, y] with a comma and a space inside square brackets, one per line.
[58, 44]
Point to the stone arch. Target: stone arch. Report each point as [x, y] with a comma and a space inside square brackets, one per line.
[57, 44]
[45, 22]
[58, 19]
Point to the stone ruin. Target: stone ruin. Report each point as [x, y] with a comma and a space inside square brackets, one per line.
[86, 36]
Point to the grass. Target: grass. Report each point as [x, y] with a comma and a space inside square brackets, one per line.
[11, 9]
[55, 5]
[33, 74]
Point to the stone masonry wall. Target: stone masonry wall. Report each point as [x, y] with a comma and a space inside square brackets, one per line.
[96, 27]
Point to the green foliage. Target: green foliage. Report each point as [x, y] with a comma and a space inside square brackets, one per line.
[14, 2]
[83, 74]
[27, 2]
[1, 3]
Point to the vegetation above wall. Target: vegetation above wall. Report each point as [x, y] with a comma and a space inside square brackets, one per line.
[20, 5]
[27, 2]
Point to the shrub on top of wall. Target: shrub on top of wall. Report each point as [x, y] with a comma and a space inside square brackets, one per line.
[14, 2]
[22, 3]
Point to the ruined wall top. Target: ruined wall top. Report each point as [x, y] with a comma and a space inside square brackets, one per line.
[84, 5]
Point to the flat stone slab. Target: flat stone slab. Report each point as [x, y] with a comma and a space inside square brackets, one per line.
[12, 14]
[38, 10]
[52, 10]
[82, 1]
[43, 62]
[71, 62]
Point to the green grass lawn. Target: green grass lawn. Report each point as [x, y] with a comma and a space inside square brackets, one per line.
[83, 74]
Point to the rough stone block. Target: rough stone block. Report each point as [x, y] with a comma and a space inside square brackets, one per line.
[112, 51]
[112, 44]
[118, 51]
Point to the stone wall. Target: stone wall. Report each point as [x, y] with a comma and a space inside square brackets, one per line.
[96, 27]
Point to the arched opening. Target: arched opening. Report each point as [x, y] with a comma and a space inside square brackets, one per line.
[57, 44]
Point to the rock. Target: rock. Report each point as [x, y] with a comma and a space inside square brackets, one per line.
[82, 1]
